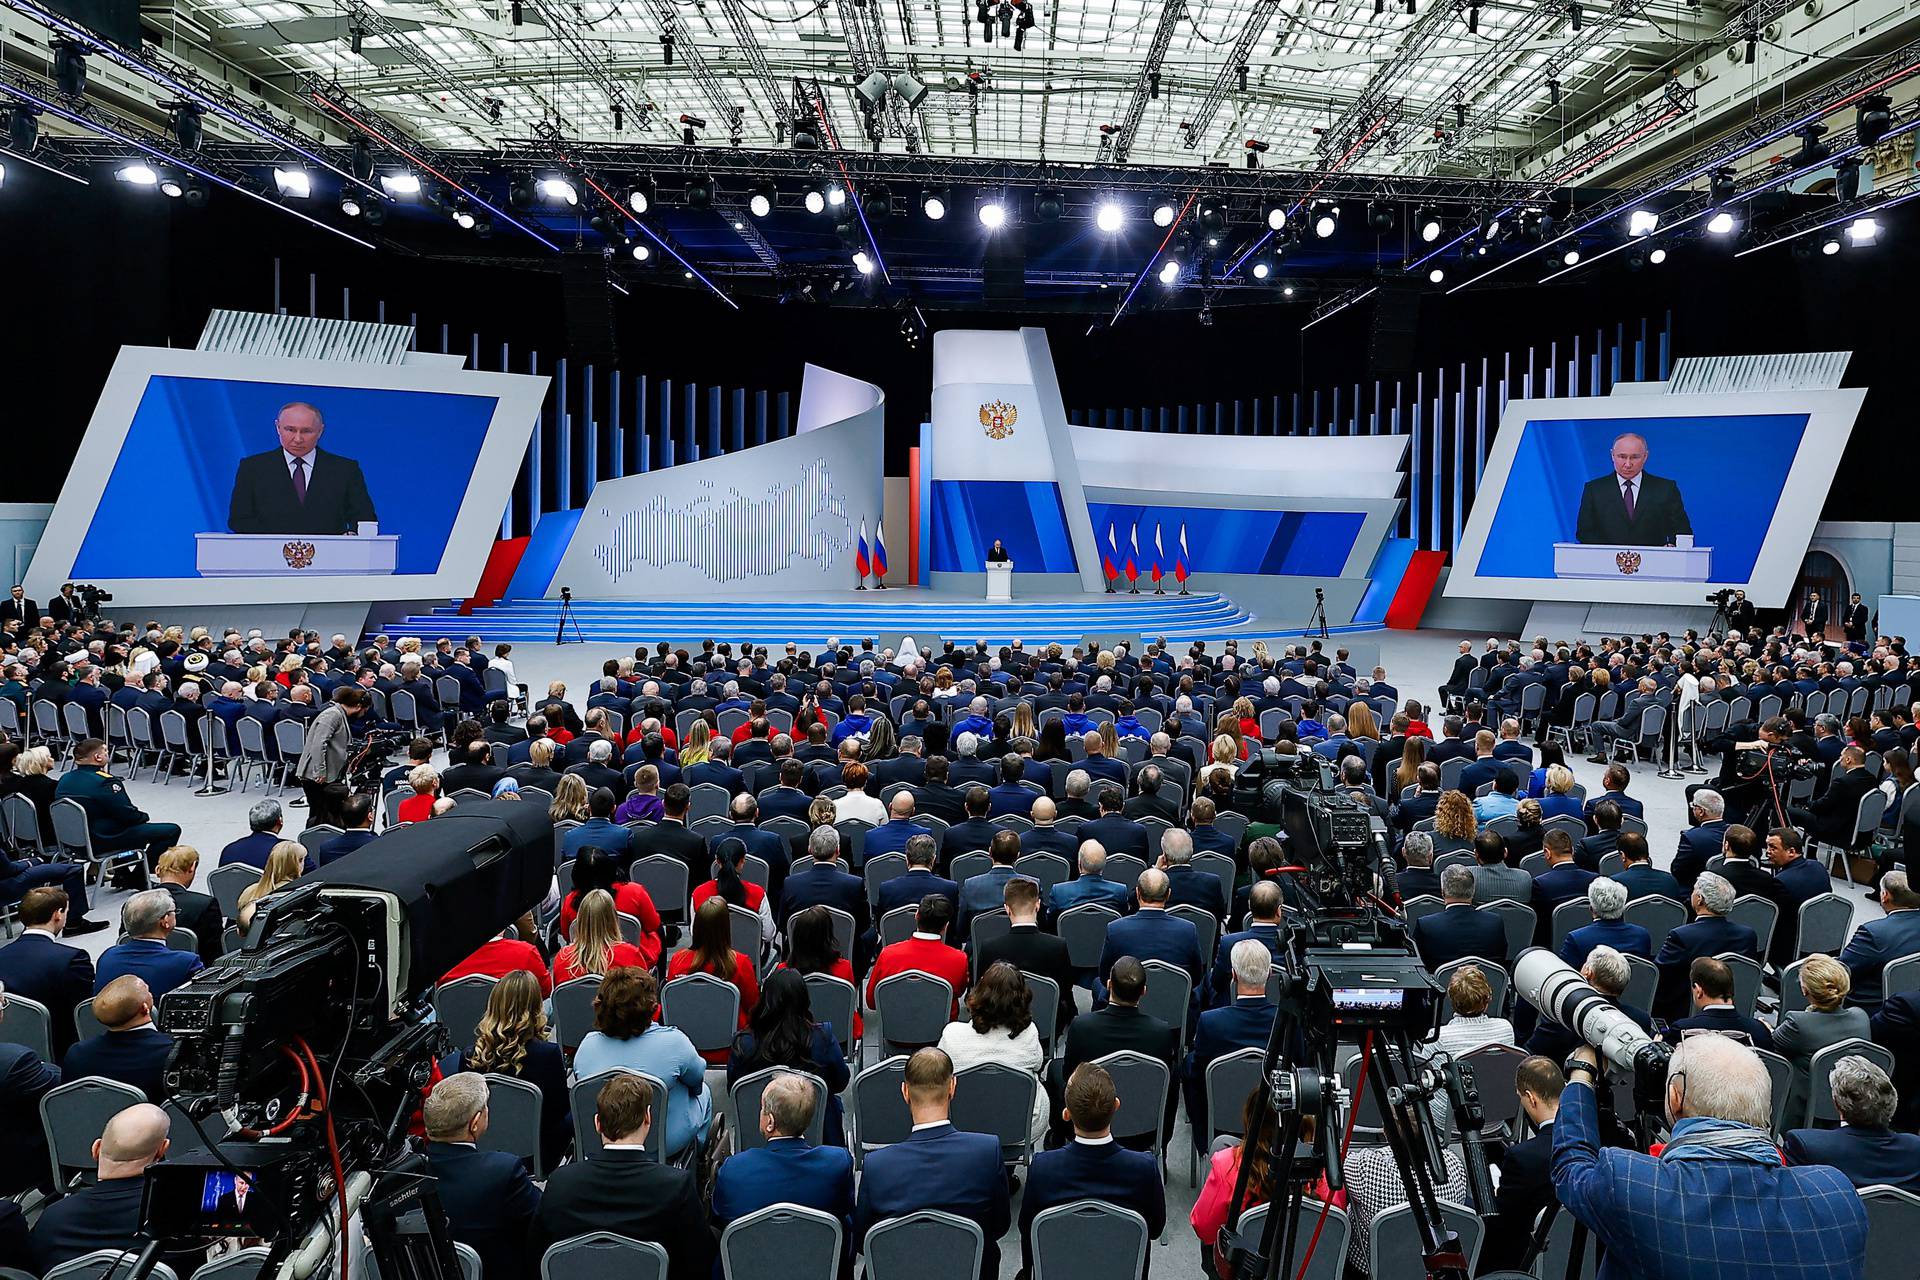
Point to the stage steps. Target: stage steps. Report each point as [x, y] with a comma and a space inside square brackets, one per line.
[847, 616]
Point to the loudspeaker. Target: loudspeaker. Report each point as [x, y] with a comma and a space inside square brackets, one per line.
[1396, 324]
[1003, 274]
[587, 306]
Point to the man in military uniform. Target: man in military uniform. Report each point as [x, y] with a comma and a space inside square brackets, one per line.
[114, 821]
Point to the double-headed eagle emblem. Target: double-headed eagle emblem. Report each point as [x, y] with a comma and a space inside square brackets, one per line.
[998, 417]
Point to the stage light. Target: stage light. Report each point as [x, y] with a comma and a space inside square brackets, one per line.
[1380, 215]
[1436, 275]
[1642, 222]
[878, 202]
[765, 196]
[1571, 257]
[1812, 151]
[814, 198]
[138, 174]
[560, 190]
[1722, 186]
[1110, 216]
[1276, 217]
[1261, 270]
[375, 213]
[640, 251]
[186, 126]
[195, 195]
[873, 89]
[1286, 291]
[836, 195]
[1722, 223]
[295, 183]
[69, 68]
[1875, 117]
[400, 184]
[1170, 272]
[1213, 217]
[1326, 218]
[1428, 220]
[1049, 205]
[1846, 179]
[640, 195]
[171, 188]
[862, 263]
[993, 215]
[483, 228]
[911, 90]
[1830, 246]
[350, 204]
[933, 203]
[1863, 230]
[1657, 256]
[699, 191]
[1164, 212]
[463, 219]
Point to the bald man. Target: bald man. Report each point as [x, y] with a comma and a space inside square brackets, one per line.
[1151, 934]
[133, 1050]
[1047, 838]
[105, 1214]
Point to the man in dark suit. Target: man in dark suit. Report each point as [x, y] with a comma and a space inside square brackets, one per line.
[1710, 934]
[976, 833]
[1092, 1166]
[1419, 806]
[1458, 681]
[1028, 949]
[1854, 619]
[983, 893]
[1712, 987]
[1705, 840]
[936, 797]
[1245, 1022]
[1115, 833]
[488, 1198]
[627, 1192]
[148, 918]
[1151, 934]
[298, 488]
[1119, 1024]
[1154, 800]
[1814, 615]
[39, 966]
[1091, 885]
[24, 1079]
[670, 837]
[1562, 881]
[1630, 506]
[1829, 817]
[1189, 887]
[106, 1213]
[788, 798]
[1459, 930]
[1009, 797]
[919, 881]
[823, 884]
[1865, 1147]
[716, 771]
[1640, 876]
[787, 1169]
[936, 1166]
[1526, 1167]
[17, 608]
[1877, 942]
[1264, 901]
[765, 845]
[1796, 880]
[892, 835]
[1045, 837]
[1419, 879]
[132, 1050]
[356, 821]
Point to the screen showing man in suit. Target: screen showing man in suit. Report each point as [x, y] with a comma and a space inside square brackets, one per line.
[298, 488]
[1708, 487]
[1629, 505]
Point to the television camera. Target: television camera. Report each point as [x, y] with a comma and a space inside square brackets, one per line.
[299, 1058]
[1350, 983]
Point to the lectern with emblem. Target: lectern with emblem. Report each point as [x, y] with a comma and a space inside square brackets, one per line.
[369, 553]
[1622, 562]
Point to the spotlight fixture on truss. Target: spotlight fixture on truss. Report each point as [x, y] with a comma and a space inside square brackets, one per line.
[69, 68]
[1846, 179]
[23, 128]
[934, 202]
[1256, 149]
[689, 129]
[762, 199]
[1873, 118]
[185, 119]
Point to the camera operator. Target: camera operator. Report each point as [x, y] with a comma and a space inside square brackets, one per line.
[1753, 771]
[322, 770]
[1734, 1209]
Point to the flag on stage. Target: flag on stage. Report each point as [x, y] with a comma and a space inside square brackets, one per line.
[1113, 549]
[1159, 552]
[860, 565]
[1180, 561]
[1133, 570]
[880, 549]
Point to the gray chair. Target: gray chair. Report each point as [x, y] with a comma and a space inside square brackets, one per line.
[73, 1117]
[1746, 980]
[585, 1096]
[1425, 905]
[514, 1120]
[1499, 982]
[573, 1010]
[1046, 1008]
[1124, 868]
[994, 1098]
[1820, 1108]
[743, 1107]
[1494, 1067]
[1780, 1080]
[987, 927]
[602, 1255]
[469, 1259]
[880, 869]
[745, 928]
[781, 1242]
[104, 1264]
[1757, 913]
[704, 1007]
[1394, 1239]
[1658, 915]
[1204, 922]
[665, 880]
[1049, 869]
[29, 1023]
[928, 1245]
[22, 821]
[1084, 929]
[1142, 1083]
[74, 835]
[969, 864]
[877, 1113]
[1825, 922]
[1518, 920]
[1576, 913]
[1900, 975]
[835, 1001]
[1643, 982]
[914, 1009]
[461, 1004]
[1328, 1260]
[227, 883]
[244, 1264]
[1088, 1237]
[1230, 1077]
[1893, 1223]
[897, 925]
[1169, 992]
[85, 1025]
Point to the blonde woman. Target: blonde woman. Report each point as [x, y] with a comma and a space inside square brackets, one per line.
[1825, 982]
[418, 807]
[1109, 739]
[1023, 722]
[1362, 726]
[597, 946]
[1560, 800]
[512, 1041]
[569, 799]
[698, 748]
[286, 862]
[33, 778]
[1225, 758]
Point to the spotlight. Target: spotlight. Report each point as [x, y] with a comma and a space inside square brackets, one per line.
[1657, 256]
[23, 128]
[1255, 147]
[375, 213]
[1170, 272]
[295, 183]
[1721, 223]
[873, 89]
[1276, 217]
[640, 251]
[863, 263]
[1490, 228]
[350, 204]
[521, 193]
[1110, 216]
[1428, 220]
[1846, 179]
[765, 196]
[1812, 150]
[699, 191]
[1642, 222]
[400, 184]
[1571, 258]
[1722, 186]
[1164, 212]
[1863, 230]
[560, 190]
[993, 215]
[186, 126]
[836, 195]
[878, 202]
[1262, 269]
[171, 188]
[140, 175]
[1380, 215]
[1436, 275]
[814, 198]
[1875, 117]
[1049, 205]
[804, 137]
[933, 203]
[69, 68]
[1213, 218]
[911, 90]
[1326, 218]
[483, 228]
[1286, 291]
[689, 127]
[464, 219]
[1830, 246]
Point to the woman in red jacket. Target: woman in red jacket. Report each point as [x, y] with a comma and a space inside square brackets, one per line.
[811, 949]
[712, 952]
[592, 870]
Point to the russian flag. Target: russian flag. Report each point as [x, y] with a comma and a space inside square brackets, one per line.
[1133, 570]
[1180, 563]
[860, 565]
[880, 549]
[1158, 552]
[1113, 549]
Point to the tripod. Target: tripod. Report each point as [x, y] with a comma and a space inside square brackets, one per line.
[566, 620]
[1317, 620]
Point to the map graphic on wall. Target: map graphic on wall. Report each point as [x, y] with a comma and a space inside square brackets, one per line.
[736, 536]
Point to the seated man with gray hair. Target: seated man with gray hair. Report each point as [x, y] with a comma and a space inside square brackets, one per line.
[1076, 804]
[1189, 886]
[1607, 971]
[1419, 879]
[1710, 934]
[1718, 1192]
[1608, 900]
[146, 920]
[1864, 1148]
[1245, 1023]
[264, 821]
[786, 1168]
[488, 1197]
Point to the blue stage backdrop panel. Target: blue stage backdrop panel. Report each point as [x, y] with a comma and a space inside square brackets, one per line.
[1294, 543]
[175, 473]
[1025, 515]
[1729, 470]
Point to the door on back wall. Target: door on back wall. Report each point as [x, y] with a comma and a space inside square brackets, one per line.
[1823, 573]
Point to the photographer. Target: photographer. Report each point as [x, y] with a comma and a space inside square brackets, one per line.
[1733, 1209]
[322, 770]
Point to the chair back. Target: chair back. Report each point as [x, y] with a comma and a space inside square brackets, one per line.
[1746, 980]
[914, 1007]
[665, 880]
[1418, 908]
[707, 800]
[744, 926]
[29, 1023]
[898, 924]
[70, 828]
[315, 837]
[877, 1110]
[1757, 913]
[835, 1001]
[928, 1245]
[1142, 1082]
[1900, 975]
[22, 819]
[970, 864]
[1329, 1256]
[1575, 913]
[1169, 992]
[1658, 914]
[290, 736]
[703, 1006]
[1643, 981]
[1204, 923]
[602, 1255]
[1088, 1240]
[227, 883]
[74, 1116]
[1498, 983]
[173, 727]
[1518, 920]
[1046, 1008]
[878, 870]
[1825, 922]
[1230, 1077]
[86, 1024]
[987, 927]
[781, 1242]
[1820, 1092]
[514, 1120]
[1494, 1067]
[573, 1010]
[585, 1096]
[243, 1264]
[1049, 869]
[103, 1264]
[1394, 1241]
[1780, 1082]
[1084, 929]
[1534, 864]
[1123, 868]
[743, 1106]
[992, 1097]
[1893, 1221]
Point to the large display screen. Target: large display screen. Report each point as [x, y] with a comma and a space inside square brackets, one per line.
[211, 477]
[1632, 500]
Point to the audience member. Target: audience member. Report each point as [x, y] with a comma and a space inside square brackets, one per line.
[511, 1040]
[114, 823]
[106, 1213]
[1877, 942]
[625, 1037]
[783, 1033]
[1526, 1166]
[40, 967]
[1460, 929]
[200, 912]
[926, 951]
[786, 1168]
[1710, 934]
[1471, 1025]
[131, 1049]
[284, 866]
[1151, 934]
[1864, 1147]
[1607, 899]
[147, 920]
[1713, 1011]
[1802, 1033]
[1092, 1166]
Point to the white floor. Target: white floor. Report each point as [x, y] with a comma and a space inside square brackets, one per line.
[1416, 663]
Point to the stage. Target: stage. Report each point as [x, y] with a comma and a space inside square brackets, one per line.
[850, 616]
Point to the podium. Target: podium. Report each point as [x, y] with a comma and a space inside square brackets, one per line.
[1000, 581]
[1653, 564]
[292, 555]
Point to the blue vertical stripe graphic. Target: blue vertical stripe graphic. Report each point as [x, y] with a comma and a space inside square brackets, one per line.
[1025, 515]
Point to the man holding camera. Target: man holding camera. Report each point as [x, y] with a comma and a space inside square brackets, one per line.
[1716, 1200]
